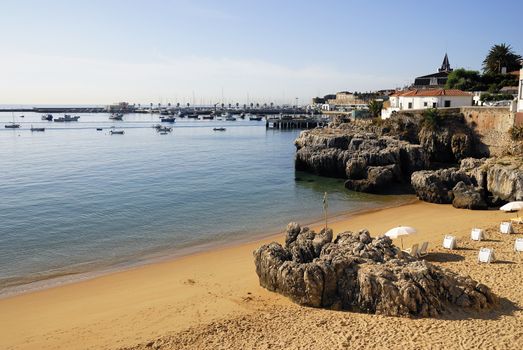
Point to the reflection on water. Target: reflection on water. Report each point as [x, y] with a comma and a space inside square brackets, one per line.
[76, 199]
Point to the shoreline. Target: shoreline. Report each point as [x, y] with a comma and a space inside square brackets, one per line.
[172, 254]
[130, 307]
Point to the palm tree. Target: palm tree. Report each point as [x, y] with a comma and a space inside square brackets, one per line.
[188, 104]
[500, 56]
[375, 108]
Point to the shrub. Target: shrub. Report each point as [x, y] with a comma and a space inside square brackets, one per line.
[431, 118]
[516, 133]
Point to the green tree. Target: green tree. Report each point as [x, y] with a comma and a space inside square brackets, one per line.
[501, 55]
[467, 80]
[375, 108]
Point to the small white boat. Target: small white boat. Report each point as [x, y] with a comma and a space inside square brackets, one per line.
[116, 116]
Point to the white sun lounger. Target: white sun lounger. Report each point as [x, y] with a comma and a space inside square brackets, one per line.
[412, 251]
[477, 234]
[506, 227]
[486, 255]
[449, 242]
[423, 250]
[518, 245]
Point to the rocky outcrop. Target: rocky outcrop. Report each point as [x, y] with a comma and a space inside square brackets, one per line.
[476, 184]
[447, 145]
[435, 186]
[370, 163]
[359, 273]
[505, 180]
[468, 197]
[374, 157]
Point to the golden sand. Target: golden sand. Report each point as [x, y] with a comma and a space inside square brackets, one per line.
[212, 300]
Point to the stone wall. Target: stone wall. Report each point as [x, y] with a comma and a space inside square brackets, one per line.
[491, 125]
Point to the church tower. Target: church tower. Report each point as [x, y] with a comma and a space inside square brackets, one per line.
[445, 66]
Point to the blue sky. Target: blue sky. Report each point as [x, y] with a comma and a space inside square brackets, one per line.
[92, 52]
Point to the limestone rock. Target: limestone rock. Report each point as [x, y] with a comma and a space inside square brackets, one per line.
[468, 197]
[359, 273]
[435, 186]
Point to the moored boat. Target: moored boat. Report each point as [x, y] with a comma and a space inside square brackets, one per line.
[116, 116]
[117, 132]
[219, 129]
[12, 126]
[167, 119]
[67, 118]
[47, 117]
[162, 128]
[37, 129]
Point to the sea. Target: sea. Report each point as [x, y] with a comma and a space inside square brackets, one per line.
[76, 202]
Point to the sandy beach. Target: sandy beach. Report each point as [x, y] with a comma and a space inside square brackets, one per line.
[212, 300]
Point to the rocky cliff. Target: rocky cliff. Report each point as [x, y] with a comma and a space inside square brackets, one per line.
[356, 272]
[376, 156]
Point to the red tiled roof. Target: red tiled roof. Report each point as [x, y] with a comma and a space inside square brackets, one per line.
[432, 92]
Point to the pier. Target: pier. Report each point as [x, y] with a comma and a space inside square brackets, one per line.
[295, 122]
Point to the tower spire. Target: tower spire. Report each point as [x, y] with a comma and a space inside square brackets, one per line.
[445, 66]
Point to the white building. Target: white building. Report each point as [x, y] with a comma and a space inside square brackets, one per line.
[426, 98]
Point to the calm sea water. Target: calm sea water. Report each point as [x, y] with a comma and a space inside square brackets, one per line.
[73, 199]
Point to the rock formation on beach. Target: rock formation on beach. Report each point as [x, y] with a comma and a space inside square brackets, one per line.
[358, 273]
[441, 164]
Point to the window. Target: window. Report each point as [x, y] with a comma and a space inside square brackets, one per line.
[425, 104]
[447, 103]
[410, 105]
[434, 105]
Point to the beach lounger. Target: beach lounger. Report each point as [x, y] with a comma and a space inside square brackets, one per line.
[449, 242]
[412, 251]
[477, 234]
[423, 250]
[486, 255]
[517, 220]
[506, 227]
[518, 245]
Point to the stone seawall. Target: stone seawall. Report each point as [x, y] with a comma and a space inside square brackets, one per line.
[490, 125]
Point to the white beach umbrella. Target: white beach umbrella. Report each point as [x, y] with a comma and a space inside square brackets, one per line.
[512, 206]
[400, 231]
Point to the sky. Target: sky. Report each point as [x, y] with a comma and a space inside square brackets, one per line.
[203, 51]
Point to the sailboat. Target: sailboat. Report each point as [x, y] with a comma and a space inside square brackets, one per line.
[13, 125]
